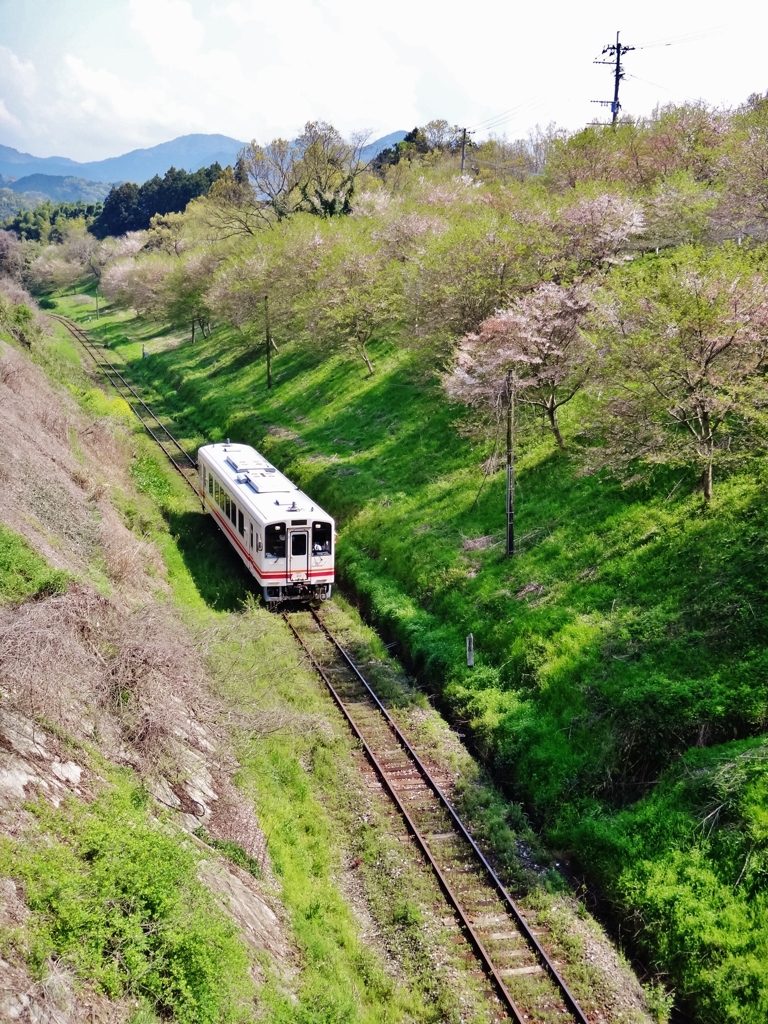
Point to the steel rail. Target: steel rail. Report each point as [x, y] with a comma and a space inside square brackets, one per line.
[496, 882]
[517, 1013]
[108, 368]
[82, 336]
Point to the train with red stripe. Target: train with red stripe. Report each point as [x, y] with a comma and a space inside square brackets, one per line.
[284, 538]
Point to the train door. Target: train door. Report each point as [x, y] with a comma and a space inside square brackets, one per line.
[298, 555]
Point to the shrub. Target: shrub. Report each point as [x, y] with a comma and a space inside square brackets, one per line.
[115, 894]
[23, 573]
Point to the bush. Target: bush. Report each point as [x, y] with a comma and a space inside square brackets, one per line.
[114, 893]
[23, 573]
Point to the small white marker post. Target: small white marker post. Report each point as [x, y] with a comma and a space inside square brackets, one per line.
[470, 651]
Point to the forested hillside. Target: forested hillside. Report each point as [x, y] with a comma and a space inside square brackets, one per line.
[611, 288]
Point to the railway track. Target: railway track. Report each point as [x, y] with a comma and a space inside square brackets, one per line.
[178, 456]
[511, 951]
[513, 956]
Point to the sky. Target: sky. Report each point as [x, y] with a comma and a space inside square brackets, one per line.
[88, 79]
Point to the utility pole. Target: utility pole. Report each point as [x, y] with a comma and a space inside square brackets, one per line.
[510, 466]
[615, 51]
[269, 342]
[464, 134]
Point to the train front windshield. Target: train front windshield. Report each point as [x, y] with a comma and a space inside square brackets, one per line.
[274, 540]
[321, 538]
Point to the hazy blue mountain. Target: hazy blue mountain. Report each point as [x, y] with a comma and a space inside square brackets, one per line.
[14, 164]
[61, 188]
[374, 148]
[188, 152]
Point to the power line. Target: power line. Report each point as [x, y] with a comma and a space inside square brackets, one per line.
[691, 37]
[657, 85]
[484, 124]
[509, 115]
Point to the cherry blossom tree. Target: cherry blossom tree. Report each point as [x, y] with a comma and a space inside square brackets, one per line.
[687, 354]
[592, 234]
[535, 348]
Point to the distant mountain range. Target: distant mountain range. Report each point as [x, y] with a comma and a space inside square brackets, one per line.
[188, 152]
[59, 188]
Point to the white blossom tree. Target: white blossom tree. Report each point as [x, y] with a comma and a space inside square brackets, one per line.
[535, 347]
[686, 358]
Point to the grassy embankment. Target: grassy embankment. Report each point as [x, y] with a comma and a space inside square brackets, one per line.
[302, 771]
[620, 680]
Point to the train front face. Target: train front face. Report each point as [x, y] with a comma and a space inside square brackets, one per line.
[298, 559]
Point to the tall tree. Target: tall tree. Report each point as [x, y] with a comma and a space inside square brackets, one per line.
[316, 174]
[687, 354]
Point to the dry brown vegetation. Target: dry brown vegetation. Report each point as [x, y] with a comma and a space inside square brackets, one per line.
[107, 672]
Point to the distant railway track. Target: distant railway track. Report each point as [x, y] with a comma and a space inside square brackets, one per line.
[178, 456]
[524, 975]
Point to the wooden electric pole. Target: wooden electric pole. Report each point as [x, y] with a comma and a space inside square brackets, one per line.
[464, 134]
[510, 466]
[268, 340]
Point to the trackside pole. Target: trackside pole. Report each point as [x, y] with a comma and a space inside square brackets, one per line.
[510, 467]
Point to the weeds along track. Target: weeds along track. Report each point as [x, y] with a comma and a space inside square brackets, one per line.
[181, 460]
[525, 977]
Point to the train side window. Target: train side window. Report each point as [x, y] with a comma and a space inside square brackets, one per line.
[240, 522]
[227, 506]
[210, 484]
[250, 536]
[321, 538]
[274, 544]
[233, 512]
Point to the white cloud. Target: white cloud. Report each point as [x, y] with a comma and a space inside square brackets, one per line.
[19, 72]
[6, 117]
[168, 27]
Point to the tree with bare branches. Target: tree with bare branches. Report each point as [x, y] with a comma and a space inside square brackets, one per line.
[316, 173]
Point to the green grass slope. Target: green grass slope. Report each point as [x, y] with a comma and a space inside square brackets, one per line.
[620, 684]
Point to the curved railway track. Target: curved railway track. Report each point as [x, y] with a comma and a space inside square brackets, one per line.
[178, 456]
[525, 976]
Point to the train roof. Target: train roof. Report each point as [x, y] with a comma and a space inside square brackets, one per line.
[256, 484]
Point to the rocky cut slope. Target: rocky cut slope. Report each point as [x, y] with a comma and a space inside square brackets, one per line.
[115, 769]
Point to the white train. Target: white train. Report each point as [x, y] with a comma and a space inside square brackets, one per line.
[284, 538]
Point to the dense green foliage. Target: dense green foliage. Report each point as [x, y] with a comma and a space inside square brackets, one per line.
[130, 207]
[115, 896]
[12, 203]
[621, 660]
[23, 573]
[17, 323]
[47, 222]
